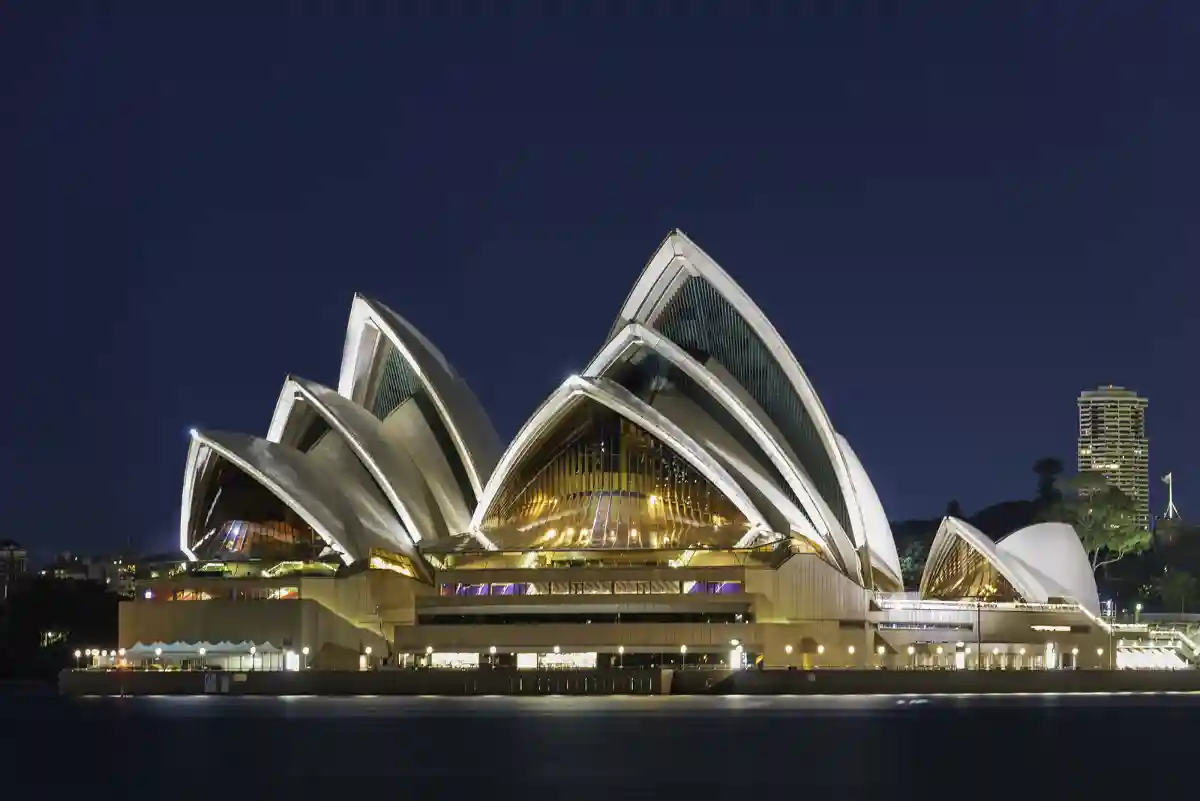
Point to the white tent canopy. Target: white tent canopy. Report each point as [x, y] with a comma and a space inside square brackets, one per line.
[224, 648]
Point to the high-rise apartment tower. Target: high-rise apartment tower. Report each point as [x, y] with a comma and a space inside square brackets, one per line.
[1112, 441]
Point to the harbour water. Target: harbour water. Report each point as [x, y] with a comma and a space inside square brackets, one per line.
[661, 746]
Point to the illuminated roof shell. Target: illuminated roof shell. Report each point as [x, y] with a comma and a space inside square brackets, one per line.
[388, 463]
[342, 514]
[677, 259]
[1041, 562]
[475, 440]
[820, 524]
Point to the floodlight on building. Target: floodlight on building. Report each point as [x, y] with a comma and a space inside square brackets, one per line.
[881, 650]
[121, 653]
[911, 650]
[557, 649]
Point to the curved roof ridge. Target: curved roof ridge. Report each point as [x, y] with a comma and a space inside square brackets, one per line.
[679, 257]
[761, 431]
[879, 531]
[390, 465]
[475, 439]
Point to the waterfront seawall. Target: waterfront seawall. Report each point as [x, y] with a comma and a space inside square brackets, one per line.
[621, 682]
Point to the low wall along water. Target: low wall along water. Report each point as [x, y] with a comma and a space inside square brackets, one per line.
[621, 682]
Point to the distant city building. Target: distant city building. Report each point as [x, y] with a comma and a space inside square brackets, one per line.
[117, 573]
[13, 562]
[1112, 441]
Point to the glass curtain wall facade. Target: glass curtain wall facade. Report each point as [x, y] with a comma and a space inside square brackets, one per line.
[706, 325]
[599, 481]
[964, 573]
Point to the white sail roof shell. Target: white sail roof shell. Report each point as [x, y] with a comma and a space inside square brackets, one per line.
[1041, 562]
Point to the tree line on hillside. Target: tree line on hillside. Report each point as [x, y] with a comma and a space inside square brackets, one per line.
[44, 620]
[1132, 564]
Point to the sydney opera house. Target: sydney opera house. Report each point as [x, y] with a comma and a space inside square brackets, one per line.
[685, 498]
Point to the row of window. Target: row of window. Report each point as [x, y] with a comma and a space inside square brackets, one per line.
[594, 588]
[230, 594]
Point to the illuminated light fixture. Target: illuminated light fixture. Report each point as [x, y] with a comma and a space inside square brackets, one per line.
[253, 650]
[492, 650]
[968, 650]
[881, 650]
[850, 650]
[1099, 652]
[653, 499]
[428, 649]
[620, 649]
[1022, 652]
[959, 644]
[1050, 628]
[787, 649]
[820, 649]
[304, 650]
[203, 652]
[557, 649]
[1074, 652]
[939, 650]
[367, 650]
[995, 652]
[77, 654]
[683, 649]
[158, 652]
[148, 595]
[911, 650]
[120, 653]
[735, 642]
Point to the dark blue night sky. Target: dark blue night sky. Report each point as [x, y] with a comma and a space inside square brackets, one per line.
[959, 215]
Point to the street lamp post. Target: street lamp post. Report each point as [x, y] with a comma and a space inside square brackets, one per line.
[621, 657]
[304, 651]
[77, 655]
[253, 651]
[683, 656]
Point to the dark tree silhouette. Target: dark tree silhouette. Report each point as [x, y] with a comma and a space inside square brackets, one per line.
[1048, 470]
